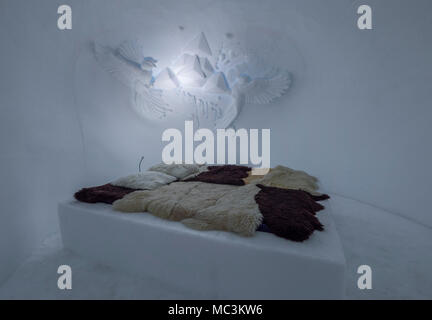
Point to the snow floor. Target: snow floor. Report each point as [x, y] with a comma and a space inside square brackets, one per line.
[399, 252]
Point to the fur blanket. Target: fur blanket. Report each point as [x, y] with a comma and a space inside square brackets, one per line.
[226, 174]
[106, 193]
[180, 171]
[199, 205]
[289, 213]
[240, 209]
[147, 180]
[282, 202]
[286, 178]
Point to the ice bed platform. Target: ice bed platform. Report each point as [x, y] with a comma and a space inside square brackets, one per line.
[215, 264]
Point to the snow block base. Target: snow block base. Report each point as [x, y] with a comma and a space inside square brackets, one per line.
[215, 264]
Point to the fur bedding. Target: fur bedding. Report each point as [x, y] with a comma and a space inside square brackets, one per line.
[289, 213]
[203, 206]
[225, 198]
[227, 174]
[147, 180]
[180, 171]
[286, 178]
[106, 193]
[199, 205]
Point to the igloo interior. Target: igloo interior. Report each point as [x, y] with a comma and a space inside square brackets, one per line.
[355, 116]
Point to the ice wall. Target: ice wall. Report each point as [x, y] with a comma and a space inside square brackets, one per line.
[41, 157]
[358, 115]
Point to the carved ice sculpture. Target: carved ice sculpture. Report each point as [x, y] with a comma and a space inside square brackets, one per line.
[191, 73]
[128, 64]
[166, 80]
[211, 95]
[217, 83]
[198, 46]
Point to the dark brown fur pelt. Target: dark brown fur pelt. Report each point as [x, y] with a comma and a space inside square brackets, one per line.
[289, 213]
[225, 174]
[106, 193]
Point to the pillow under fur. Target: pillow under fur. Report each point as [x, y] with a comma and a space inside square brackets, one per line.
[180, 171]
[145, 180]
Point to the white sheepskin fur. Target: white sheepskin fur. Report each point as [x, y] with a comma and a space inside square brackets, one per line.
[180, 171]
[148, 180]
[199, 205]
[286, 178]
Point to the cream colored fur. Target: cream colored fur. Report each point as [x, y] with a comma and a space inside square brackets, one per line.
[206, 206]
[286, 178]
[145, 180]
[199, 205]
[180, 171]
